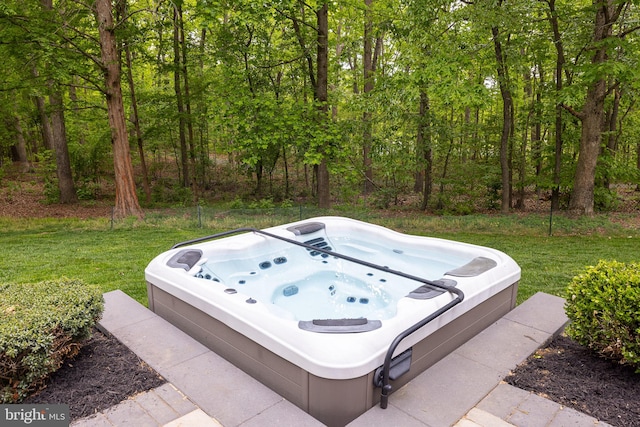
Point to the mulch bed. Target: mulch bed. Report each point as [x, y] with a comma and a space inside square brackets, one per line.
[576, 377]
[104, 373]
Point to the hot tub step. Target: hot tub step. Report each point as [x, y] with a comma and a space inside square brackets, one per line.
[400, 365]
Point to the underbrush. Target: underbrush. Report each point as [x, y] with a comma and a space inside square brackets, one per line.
[603, 304]
[42, 324]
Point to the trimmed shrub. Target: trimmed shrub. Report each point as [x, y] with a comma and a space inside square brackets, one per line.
[41, 324]
[603, 304]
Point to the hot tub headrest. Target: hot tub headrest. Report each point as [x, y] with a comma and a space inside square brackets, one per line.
[186, 259]
[428, 292]
[339, 326]
[306, 228]
[473, 268]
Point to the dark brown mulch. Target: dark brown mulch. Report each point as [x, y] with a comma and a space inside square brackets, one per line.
[104, 373]
[576, 377]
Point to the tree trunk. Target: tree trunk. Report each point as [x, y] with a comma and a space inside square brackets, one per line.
[322, 63]
[59, 138]
[560, 60]
[187, 100]
[20, 147]
[507, 120]
[536, 135]
[134, 114]
[126, 203]
[47, 133]
[612, 135]
[73, 96]
[138, 132]
[184, 157]
[368, 87]
[638, 162]
[423, 142]
[63, 164]
[592, 114]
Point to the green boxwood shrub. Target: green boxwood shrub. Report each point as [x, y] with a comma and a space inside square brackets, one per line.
[41, 324]
[603, 304]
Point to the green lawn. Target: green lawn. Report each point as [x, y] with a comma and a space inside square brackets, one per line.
[114, 256]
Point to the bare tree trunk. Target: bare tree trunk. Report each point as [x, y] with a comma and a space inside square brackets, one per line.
[423, 141]
[47, 133]
[319, 83]
[552, 16]
[612, 135]
[322, 63]
[522, 161]
[58, 135]
[63, 164]
[135, 118]
[136, 125]
[507, 118]
[368, 87]
[592, 114]
[536, 134]
[638, 162]
[126, 203]
[20, 147]
[187, 100]
[73, 96]
[184, 151]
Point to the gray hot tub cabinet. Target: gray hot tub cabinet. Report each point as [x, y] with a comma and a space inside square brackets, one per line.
[333, 402]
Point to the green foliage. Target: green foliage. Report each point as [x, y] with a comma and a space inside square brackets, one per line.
[250, 68]
[262, 204]
[90, 160]
[47, 172]
[167, 191]
[603, 304]
[41, 324]
[605, 200]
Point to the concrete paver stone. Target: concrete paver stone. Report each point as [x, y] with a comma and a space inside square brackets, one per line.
[541, 311]
[122, 414]
[175, 398]
[464, 389]
[283, 414]
[503, 345]
[484, 419]
[502, 400]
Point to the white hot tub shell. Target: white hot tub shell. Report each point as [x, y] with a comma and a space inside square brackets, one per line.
[247, 296]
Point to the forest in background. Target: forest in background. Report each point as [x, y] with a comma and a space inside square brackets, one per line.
[449, 104]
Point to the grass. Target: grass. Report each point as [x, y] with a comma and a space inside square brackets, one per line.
[114, 255]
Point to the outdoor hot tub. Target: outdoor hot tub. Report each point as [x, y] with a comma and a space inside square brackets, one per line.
[332, 313]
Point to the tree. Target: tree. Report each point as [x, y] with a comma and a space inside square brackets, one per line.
[318, 79]
[607, 14]
[322, 64]
[58, 134]
[126, 201]
[180, 78]
[371, 52]
[61, 150]
[423, 144]
[552, 16]
[122, 12]
[458, 94]
[507, 115]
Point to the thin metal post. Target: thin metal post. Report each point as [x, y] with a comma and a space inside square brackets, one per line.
[551, 218]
